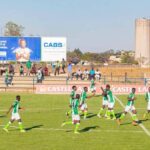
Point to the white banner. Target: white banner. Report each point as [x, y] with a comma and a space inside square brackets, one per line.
[53, 48]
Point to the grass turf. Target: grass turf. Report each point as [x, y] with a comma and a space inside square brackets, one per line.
[44, 114]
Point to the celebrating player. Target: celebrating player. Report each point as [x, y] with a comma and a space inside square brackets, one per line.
[111, 103]
[72, 96]
[15, 115]
[130, 107]
[104, 104]
[83, 104]
[92, 86]
[75, 114]
[147, 98]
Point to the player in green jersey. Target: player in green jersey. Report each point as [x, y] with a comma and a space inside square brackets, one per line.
[15, 115]
[147, 98]
[130, 107]
[111, 103]
[104, 104]
[83, 104]
[75, 114]
[72, 96]
[92, 86]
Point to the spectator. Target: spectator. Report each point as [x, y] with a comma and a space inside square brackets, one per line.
[92, 73]
[33, 69]
[69, 71]
[79, 74]
[39, 76]
[86, 74]
[21, 70]
[2, 70]
[57, 68]
[8, 78]
[53, 67]
[45, 71]
[28, 66]
[11, 69]
[63, 63]
[97, 75]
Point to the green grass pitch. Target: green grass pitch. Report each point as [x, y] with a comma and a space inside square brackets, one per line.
[44, 114]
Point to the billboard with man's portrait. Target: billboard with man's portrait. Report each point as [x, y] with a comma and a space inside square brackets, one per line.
[20, 48]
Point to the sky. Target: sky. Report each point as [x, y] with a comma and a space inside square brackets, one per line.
[91, 25]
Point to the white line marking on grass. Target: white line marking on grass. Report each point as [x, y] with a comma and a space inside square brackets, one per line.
[141, 125]
[61, 129]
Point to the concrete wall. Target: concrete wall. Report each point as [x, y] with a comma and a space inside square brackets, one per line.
[142, 41]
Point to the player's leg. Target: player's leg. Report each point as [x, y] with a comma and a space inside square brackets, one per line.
[127, 109]
[76, 122]
[20, 125]
[134, 116]
[8, 124]
[85, 111]
[146, 115]
[101, 111]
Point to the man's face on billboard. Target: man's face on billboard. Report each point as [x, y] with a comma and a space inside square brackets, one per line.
[22, 43]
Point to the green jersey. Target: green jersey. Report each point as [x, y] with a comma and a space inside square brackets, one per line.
[147, 96]
[6, 75]
[105, 98]
[75, 106]
[110, 96]
[131, 96]
[83, 97]
[72, 95]
[16, 106]
[92, 85]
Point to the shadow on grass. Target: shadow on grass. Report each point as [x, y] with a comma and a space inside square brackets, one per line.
[86, 129]
[2, 116]
[33, 127]
[91, 116]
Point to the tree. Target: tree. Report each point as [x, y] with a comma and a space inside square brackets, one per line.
[13, 29]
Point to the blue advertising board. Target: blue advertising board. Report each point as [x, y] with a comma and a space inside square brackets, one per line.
[20, 48]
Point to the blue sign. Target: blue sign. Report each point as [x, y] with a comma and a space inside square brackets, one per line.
[20, 48]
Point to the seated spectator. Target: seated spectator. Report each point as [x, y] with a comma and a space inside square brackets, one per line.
[86, 74]
[79, 74]
[11, 69]
[92, 73]
[39, 76]
[33, 69]
[8, 78]
[45, 71]
[21, 70]
[97, 75]
[2, 70]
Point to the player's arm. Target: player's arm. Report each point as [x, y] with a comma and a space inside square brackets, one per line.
[9, 109]
[21, 108]
[146, 96]
[131, 99]
[26, 56]
[103, 92]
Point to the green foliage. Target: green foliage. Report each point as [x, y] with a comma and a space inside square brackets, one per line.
[13, 29]
[126, 58]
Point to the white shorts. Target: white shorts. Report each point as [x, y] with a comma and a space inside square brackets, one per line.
[148, 106]
[83, 106]
[75, 118]
[105, 102]
[111, 105]
[15, 116]
[129, 108]
[93, 89]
